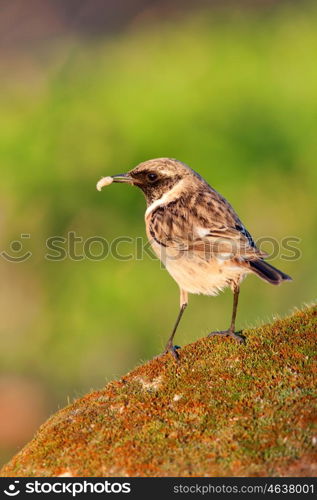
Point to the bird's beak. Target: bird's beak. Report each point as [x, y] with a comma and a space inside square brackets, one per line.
[106, 181]
[126, 178]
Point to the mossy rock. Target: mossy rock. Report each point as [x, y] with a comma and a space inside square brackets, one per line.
[224, 410]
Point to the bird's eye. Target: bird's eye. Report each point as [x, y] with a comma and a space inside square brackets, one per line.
[152, 177]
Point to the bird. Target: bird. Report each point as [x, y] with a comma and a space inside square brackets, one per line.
[197, 235]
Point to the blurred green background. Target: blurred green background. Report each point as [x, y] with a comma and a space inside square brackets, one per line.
[232, 92]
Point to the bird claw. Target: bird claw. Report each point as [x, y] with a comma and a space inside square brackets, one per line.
[173, 350]
[229, 333]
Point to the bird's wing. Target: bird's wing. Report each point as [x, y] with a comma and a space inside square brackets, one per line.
[204, 223]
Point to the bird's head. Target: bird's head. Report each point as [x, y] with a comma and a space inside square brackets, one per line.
[157, 177]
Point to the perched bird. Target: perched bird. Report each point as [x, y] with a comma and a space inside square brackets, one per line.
[196, 234]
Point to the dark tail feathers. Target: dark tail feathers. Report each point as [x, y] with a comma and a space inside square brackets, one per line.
[268, 272]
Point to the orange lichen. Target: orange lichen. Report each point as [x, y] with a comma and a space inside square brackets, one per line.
[225, 409]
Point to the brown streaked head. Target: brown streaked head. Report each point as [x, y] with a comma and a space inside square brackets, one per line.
[156, 177]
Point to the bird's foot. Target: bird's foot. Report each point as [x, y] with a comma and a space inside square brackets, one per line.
[229, 333]
[173, 350]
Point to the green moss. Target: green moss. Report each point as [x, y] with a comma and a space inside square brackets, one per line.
[225, 409]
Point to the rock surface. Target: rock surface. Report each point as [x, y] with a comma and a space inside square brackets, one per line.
[224, 410]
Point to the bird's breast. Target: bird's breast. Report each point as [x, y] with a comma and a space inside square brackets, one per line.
[194, 273]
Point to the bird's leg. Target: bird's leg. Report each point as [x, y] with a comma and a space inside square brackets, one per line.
[231, 330]
[170, 347]
[236, 292]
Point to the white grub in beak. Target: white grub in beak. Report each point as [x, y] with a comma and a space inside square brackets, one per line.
[105, 181]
